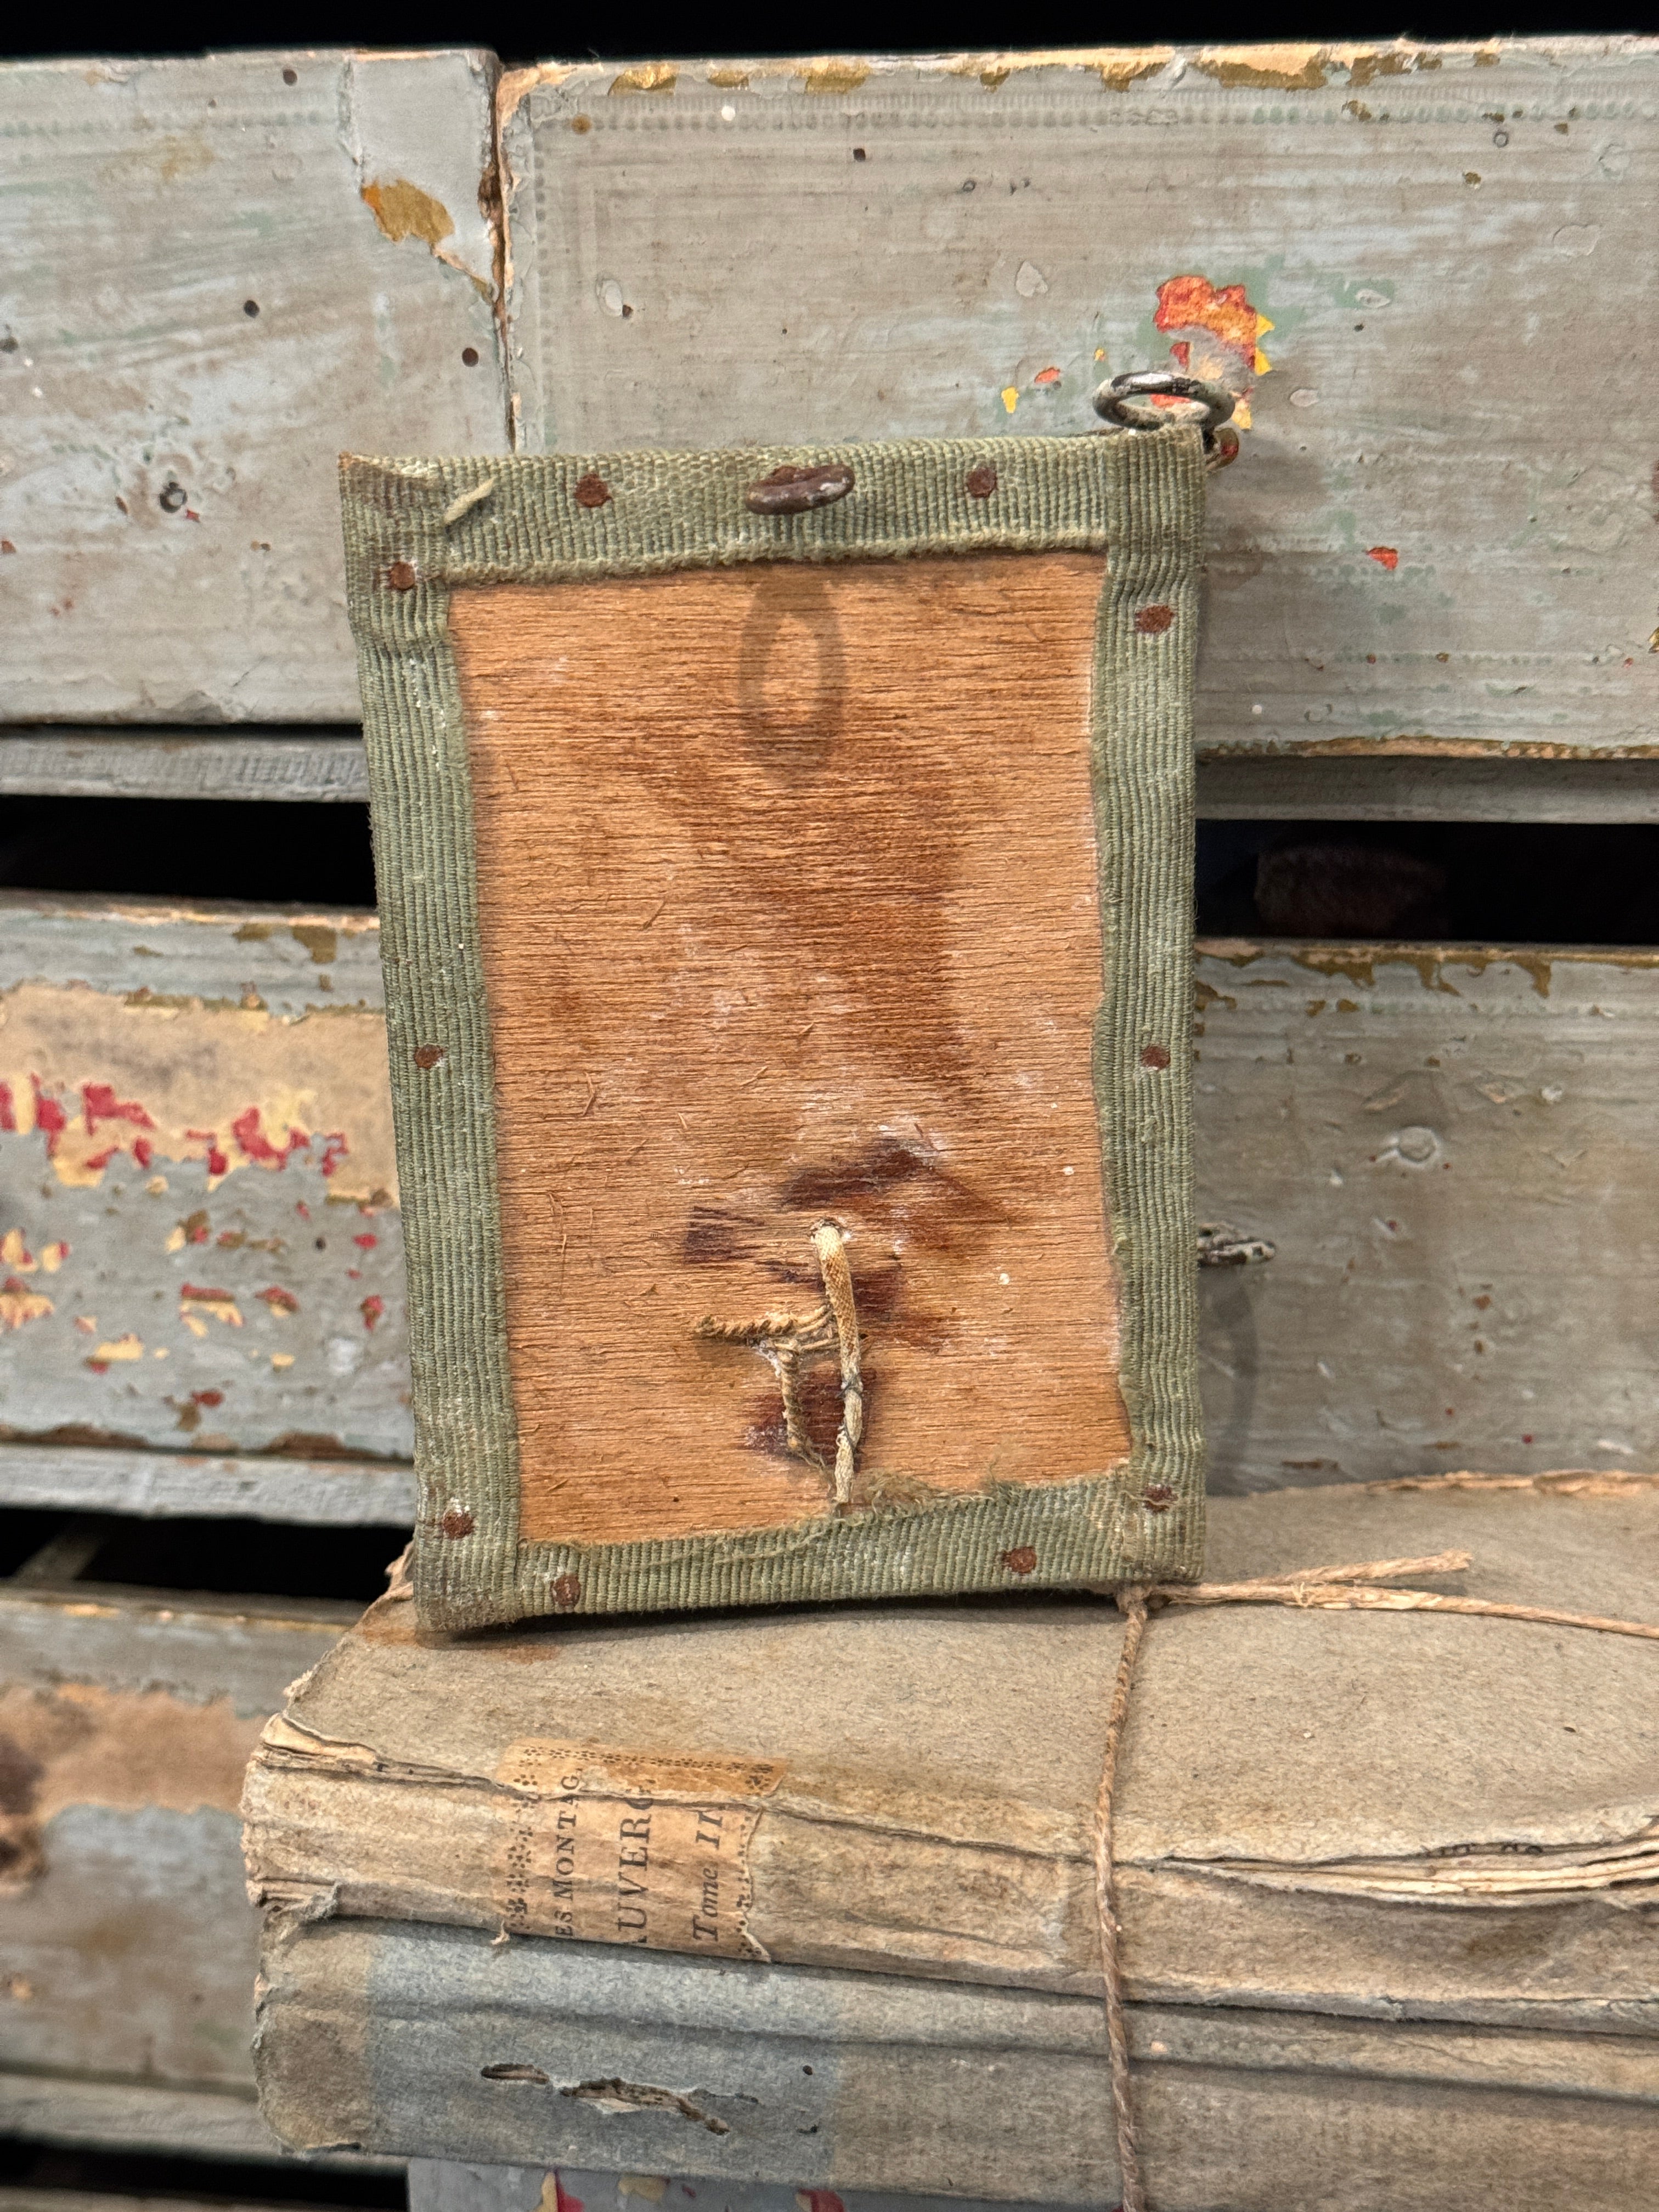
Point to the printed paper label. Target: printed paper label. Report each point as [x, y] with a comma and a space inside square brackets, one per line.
[629, 1847]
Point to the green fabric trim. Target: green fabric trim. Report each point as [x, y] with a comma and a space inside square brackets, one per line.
[415, 529]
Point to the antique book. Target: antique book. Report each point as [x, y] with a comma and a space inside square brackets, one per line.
[1389, 1883]
[785, 875]
[1376, 1814]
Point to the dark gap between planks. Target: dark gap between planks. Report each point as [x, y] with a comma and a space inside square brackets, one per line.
[1488, 883]
[208, 2181]
[294, 853]
[229, 1558]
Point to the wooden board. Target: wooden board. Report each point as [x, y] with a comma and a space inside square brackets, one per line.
[200, 1251]
[221, 272]
[778, 923]
[127, 1946]
[1452, 1151]
[1431, 268]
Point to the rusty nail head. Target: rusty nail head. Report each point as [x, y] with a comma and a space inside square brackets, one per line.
[401, 576]
[1156, 1055]
[792, 490]
[457, 1522]
[1158, 1498]
[567, 1592]
[428, 1055]
[1149, 621]
[981, 480]
[593, 491]
[1020, 1561]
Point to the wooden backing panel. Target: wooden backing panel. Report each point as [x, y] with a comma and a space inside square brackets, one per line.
[1395, 250]
[788, 907]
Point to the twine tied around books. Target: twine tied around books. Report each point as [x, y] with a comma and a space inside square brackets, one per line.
[1363, 1588]
[790, 1342]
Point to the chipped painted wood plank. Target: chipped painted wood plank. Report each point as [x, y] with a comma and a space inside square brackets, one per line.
[1451, 1150]
[1431, 542]
[221, 271]
[201, 1251]
[1346, 787]
[127, 1945]
[157, 1486]
[88, 764]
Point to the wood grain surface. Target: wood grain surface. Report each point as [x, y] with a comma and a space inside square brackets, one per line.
[788, 908]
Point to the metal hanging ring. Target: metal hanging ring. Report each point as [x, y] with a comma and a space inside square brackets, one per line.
[1116, 403]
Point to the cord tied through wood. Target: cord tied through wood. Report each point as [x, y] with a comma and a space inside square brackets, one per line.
[792, 1342]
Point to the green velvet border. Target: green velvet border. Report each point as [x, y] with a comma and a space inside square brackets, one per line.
[414, 529]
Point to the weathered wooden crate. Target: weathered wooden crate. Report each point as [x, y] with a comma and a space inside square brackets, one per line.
[201, 1266]
[127, 1946]
[1429, 267]
[1450, 1147]
[219, 272]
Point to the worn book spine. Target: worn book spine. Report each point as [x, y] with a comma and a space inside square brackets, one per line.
[742, 1859]
[439, 2043]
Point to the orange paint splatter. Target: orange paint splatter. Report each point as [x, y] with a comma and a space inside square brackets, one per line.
[1214, 332]
[1047, 376]
[1384, 556]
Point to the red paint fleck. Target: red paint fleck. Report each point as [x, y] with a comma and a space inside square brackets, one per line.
[191, 515]
[1020, 1561]
[279, 1300]
[6, 545]
[1526, 1440]
[143, 1151]
[1152, 622]
[207, 1397]
[819, 2200]
[99, 1366]
[1181, 353]
[1156, 1055]
[7, 1112]
[371, 1309]
[101, 1104]
[1047, 376]
[1384, 556]
[100, 1161]
[335, 1148]
[353, 1275]
[217, 1164]
[48, 1115]
[303, 1211]
[258, 1146]
[366, 1243]
[566, 2202]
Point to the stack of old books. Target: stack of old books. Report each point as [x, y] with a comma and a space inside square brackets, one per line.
[809, 1896]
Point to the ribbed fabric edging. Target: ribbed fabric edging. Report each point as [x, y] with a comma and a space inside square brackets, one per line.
[415, 529]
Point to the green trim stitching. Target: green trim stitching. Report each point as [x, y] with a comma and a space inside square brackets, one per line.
[415, 529]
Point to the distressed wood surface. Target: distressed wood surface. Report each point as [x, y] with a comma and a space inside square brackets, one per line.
[218, 273]
[1430, 268]
[200, 1251]
[161, 1484]
[127, 1945]
[447, 2185]
[89, 764]
[1452, 1150]
[1349, 788]
[776, 923]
